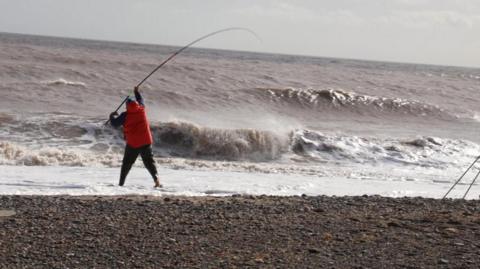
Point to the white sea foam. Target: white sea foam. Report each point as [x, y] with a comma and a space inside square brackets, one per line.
[52, 180]
[13, 154]
[422, 151]
[61, 81]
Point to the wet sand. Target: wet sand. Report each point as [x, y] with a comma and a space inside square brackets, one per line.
[238, 232]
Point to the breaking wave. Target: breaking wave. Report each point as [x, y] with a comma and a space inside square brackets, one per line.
[422, 151]
[326, 99]
[172, 139]
[14, 154]
[188, 140]
[68, 141]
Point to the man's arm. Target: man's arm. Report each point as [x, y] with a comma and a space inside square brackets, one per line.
[118, 121]
[138, 96]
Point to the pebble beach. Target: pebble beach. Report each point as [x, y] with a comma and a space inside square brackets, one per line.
[238, 232]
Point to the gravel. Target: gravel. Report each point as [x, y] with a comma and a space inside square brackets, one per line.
[238, 232]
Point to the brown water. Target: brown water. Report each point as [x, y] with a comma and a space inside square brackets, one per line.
[225, 105]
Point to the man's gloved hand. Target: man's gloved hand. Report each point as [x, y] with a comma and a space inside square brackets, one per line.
[135, 89]
[114, 114]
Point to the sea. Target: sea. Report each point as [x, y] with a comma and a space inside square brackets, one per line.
[233, 122]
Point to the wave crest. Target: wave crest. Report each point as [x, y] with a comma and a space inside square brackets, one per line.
[325, 99]
[64, 82]
[189, 140]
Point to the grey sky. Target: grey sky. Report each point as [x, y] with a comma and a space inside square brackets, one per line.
[424, 31]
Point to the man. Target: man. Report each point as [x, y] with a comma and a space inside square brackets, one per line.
[138, 137]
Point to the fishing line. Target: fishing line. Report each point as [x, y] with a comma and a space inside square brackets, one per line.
[184, 48]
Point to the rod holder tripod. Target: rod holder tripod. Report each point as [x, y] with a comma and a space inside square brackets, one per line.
[461, 177]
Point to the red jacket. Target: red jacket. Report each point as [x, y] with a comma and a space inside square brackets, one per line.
[136, 128]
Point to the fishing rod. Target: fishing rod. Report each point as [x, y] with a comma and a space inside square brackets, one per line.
[182, 49]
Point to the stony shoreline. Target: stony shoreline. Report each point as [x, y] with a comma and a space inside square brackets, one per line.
[238, 232]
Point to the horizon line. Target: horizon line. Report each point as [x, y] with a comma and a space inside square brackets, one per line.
[244, 51]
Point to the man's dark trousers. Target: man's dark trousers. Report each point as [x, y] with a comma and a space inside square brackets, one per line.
[130, 157]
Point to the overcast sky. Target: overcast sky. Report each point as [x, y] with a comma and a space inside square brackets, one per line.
[422, 31]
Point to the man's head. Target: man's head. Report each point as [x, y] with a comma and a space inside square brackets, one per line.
[132, 105]
[131, 101]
